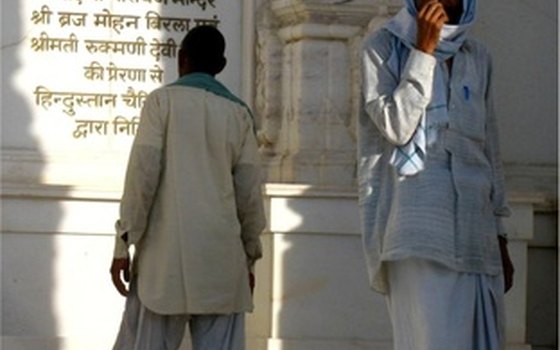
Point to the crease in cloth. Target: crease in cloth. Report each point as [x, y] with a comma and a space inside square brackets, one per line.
[143, 329]
[435, 308]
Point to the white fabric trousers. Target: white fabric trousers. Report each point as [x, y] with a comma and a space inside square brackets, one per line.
[435, 308]
[142, 329]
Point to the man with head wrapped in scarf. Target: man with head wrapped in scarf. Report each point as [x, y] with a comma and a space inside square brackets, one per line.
[430, 180]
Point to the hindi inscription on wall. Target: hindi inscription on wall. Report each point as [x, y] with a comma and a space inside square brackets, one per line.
[85, 67]
[118, 55]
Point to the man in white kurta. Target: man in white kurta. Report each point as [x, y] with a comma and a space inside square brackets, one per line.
[192, 207]
[431, 188]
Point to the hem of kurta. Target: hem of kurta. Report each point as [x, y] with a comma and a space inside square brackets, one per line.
[465, 264]
[379, 280]
[192, 310]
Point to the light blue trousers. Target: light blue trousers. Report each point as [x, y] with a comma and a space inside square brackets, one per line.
[142, 329]
[435, 308]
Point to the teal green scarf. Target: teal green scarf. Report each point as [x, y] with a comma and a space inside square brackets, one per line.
[209, 83]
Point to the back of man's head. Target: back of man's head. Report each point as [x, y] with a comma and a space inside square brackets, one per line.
[203, 47]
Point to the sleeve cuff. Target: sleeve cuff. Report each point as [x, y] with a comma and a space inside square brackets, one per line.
[502, 211]
[420, 66]
[501, 228]
[253, 251]
[121, 248]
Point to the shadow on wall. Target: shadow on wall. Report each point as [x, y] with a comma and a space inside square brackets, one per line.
[28, 251]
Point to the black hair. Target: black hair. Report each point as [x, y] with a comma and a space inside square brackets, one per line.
[204, 48]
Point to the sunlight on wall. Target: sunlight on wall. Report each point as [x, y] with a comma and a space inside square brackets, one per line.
[281, 245]
[285, 219]
[84, 303]
[288, 220]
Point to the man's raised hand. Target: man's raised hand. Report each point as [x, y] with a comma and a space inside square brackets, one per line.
[430, 21]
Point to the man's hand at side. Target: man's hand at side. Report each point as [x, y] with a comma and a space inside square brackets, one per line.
[252, 281]
[120, 270]
[506, 264]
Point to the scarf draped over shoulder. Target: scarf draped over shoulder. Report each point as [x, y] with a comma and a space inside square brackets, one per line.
[409, 159]
[209, 83]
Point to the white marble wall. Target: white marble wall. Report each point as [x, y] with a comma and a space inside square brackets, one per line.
[56, 252]
[315, 279]
[312, 290]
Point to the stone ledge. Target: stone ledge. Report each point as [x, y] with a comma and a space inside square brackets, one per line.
[57, 192]
[292, 12]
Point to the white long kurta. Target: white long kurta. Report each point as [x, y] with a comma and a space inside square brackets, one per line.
[192, 203]
[451, 212]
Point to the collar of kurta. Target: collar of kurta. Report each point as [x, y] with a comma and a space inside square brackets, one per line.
[209, 83]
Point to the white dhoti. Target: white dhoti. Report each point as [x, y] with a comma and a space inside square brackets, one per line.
[435, 308]
[142, 329]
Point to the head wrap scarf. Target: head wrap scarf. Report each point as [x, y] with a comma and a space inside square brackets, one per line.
[404, 26]
[409, 159]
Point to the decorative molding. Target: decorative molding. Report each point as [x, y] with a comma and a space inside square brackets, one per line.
[318, 31]
[358, 13]
[268, 74]
[530, 184]
[31, 168]
[306, 86]
[533, 183]
[57, 192]
[305, 190]
[248, 49]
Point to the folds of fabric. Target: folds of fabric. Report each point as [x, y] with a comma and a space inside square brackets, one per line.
[409, 159]
[435, 308]
[143, 329]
